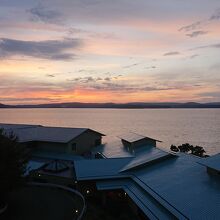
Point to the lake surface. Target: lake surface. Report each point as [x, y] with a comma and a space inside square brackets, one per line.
[172, 126]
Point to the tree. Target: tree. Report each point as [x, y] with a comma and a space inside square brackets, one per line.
[174, 148]
[187, 148]
[198, 151]
[13, 160]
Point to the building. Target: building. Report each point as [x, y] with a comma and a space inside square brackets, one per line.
[76, 141]
[133, 140]
[53, 150]
[162, 185]
[158, 184]
[125, 145]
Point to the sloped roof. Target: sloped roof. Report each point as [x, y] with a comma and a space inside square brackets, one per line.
[184, 184]
[132, 137]
[48, 134]
[28, 133]
[212, 162]
[144, 157]
[114, 166]
[99, 168]
[16, 126]
[179, 184]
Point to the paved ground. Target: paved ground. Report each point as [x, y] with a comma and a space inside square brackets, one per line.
[34, 203]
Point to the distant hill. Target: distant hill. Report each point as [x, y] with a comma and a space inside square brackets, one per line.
[3, 106]
[132, 105]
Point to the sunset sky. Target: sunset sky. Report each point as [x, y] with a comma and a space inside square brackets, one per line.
[109, 51]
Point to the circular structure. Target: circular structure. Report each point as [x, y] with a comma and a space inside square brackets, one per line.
[56, 166]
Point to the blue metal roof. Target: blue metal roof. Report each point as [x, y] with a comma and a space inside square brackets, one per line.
[17, 126]
[27, 133]
[48, 134]
[185, 185]
[145, 156]
[212, 162]
[179, 184]
[132, 137]
[99, 168]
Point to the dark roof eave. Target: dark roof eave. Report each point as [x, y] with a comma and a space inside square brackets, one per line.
[141, 139]
[88, 129]
[47, 141]
[63, 142]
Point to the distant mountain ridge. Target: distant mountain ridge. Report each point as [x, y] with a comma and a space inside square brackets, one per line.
[132, 105]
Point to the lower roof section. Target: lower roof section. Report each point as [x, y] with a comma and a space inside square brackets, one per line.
[184, 184]
[145, 157]
[99, 168]
[212, 162]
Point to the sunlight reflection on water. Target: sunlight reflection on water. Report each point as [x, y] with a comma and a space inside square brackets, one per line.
[172, 126]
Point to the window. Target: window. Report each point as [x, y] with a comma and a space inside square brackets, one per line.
[98, 142]
[74, 147]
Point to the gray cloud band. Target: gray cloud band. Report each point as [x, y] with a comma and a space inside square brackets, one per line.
[50, 49]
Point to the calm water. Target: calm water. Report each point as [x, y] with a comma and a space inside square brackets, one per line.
[172, 126]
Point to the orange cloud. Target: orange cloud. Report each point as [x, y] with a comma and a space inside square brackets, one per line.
[99, 96]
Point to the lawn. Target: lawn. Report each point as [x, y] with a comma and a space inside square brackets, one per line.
[44, 203]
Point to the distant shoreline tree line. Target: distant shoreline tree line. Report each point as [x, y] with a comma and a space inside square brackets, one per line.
[190, 149]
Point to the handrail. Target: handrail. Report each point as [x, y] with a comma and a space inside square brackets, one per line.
[64, 188]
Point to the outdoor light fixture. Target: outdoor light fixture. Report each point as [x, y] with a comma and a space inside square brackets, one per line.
[76, 211]
[87, 191]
